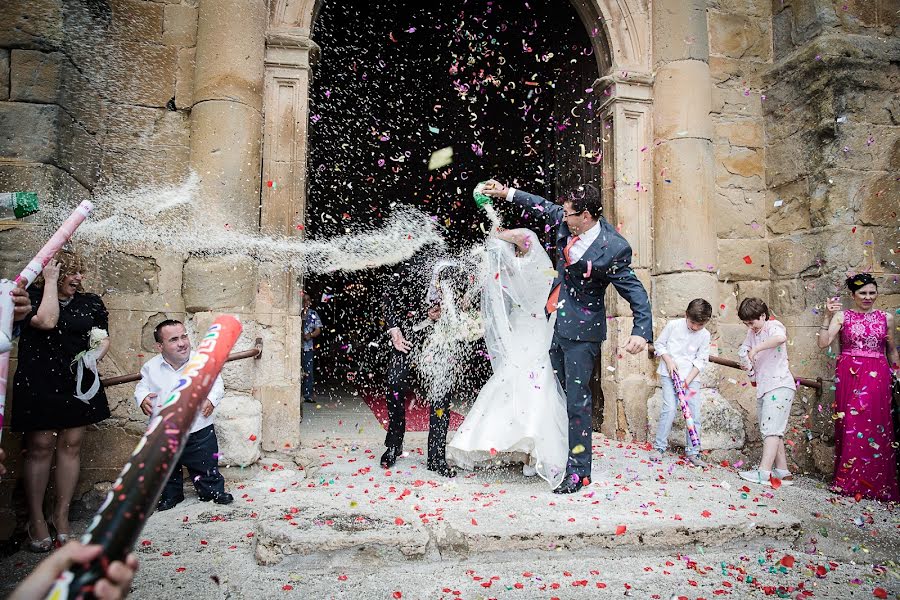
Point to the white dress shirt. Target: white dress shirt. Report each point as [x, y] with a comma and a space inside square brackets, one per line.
[584, 240]
[159, 377]
[687, 348]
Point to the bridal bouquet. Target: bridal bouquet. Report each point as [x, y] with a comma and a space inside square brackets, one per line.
[88, 358]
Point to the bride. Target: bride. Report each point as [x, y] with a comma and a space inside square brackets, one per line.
[520, 413]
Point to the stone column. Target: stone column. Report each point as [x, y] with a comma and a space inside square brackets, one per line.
[684, 166]
[226, 136]
[287, 77]
[624, 100]
[685, 261]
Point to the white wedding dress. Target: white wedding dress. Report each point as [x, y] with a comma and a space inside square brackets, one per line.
[520, 414]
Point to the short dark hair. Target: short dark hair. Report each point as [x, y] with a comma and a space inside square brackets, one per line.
[699, 311]
[167, 323]
[586, 197]
[752, 309]
[856, 282]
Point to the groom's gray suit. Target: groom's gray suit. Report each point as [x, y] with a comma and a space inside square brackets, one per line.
[581, 317]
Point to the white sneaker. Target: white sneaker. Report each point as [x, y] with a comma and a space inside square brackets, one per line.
[656, 456]
[528, 470]
[758, 477]
[784, 475]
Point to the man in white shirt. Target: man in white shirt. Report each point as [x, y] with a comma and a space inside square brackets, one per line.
[201, 452]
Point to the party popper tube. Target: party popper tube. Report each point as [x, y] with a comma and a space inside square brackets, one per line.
[62, 235]
[7, 306]
[681, 392]
[134, 494]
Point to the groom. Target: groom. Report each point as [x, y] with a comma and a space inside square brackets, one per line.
[408, 317]
[590, 255]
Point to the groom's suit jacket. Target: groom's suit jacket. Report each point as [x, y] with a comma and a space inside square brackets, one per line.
[403, 300]
[582, 312]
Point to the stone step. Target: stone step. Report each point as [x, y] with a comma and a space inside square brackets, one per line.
[422, 520]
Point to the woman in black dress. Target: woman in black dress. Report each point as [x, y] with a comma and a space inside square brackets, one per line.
[44, 402]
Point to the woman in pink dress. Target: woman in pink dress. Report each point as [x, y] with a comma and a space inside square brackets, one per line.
[864, 465]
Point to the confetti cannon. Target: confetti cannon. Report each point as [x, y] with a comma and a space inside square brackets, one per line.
[134, 494]
[681, 392]
[28, 275]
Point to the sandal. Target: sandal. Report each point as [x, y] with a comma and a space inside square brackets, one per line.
[38, 546]
[60, 539]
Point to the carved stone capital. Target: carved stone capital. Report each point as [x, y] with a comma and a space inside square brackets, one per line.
[619, 86]
[290, 47]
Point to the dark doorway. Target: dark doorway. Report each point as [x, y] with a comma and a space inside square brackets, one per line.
[505, 84]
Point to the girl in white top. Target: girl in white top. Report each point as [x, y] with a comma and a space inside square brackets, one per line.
[683, 347]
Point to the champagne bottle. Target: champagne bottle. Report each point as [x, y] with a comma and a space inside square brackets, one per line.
[17, 205]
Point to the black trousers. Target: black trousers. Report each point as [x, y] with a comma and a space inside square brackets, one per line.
[200, 456]
[573, 363]
[399, 379]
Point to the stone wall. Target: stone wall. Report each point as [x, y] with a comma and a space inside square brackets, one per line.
[95, 97]
[832, 125]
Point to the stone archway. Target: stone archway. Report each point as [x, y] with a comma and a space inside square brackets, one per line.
[657, 161]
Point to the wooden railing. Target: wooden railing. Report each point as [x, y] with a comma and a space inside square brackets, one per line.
[255, 352]
[816, 384]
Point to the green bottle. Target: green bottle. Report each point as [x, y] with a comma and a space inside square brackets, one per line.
[18, 205]
[480, 198]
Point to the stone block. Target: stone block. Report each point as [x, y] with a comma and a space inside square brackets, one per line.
[740, 167]
[797, 255]
[732, 293]
[739, 213]
[136, 20]
[239, 429]
[681, 91]
[107, 448]
[858, 16]
[4, 74]
[32, 24]
[788, 208]
[635, 389]
[685, 34]
[737, 74]
[281, 414]
[140, 73]
[836, 194]
[127, 273]
[35, 76]
[722, 423]
[219, 284]
[787, 159]
[79, 152]
[740, 132]
[132, 127]
[864, 147]
[743, 259]
[736, 101]
[141, 167]
[739, 36]
[184, 78]
[29, 132]
[671, 293]
[180, 25]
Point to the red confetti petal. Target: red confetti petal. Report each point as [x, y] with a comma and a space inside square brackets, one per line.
[252, 437]
[880, 593]
[287, 587]
[774, 482]
[788, 561]
[748, 260]
[620, 529]
[146, 542]
[398, 521]
[397, 595]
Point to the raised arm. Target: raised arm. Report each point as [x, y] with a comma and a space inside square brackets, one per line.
[520, 237]
[537, 204]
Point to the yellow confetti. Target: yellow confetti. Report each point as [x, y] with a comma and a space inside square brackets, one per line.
[439, 412]
[578, 449]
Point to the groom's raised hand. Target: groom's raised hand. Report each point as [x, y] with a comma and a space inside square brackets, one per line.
[635, 344]
[495, 189]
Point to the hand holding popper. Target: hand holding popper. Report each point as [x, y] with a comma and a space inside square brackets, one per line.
[685, 409]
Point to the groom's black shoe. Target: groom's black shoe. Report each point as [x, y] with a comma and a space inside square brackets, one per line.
[569, 485]
[442, 468]
[389, 458]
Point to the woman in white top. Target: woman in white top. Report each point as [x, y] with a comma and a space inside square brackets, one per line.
[520, 414]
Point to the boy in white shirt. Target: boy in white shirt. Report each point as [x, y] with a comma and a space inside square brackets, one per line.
[764, 354]
[683, 347]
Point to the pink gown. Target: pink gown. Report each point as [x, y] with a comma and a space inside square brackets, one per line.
[864, 436]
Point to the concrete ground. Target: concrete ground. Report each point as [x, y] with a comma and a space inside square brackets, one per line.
[328, 522]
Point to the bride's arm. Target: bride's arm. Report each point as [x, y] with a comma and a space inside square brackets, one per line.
[519, 237]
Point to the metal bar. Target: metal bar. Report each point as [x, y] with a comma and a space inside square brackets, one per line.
[255, 352]
[815, 384]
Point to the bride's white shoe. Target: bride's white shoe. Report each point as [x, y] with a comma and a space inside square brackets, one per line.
[528, 470]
